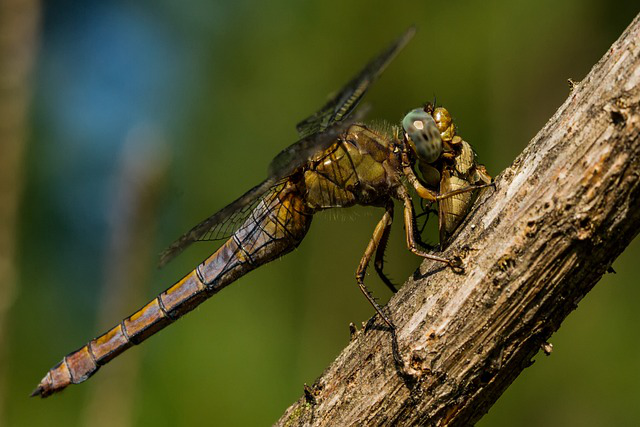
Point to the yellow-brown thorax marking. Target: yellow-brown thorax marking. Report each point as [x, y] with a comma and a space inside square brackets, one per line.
[356, 169]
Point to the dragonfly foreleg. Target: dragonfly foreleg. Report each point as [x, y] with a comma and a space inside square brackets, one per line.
[409, 225]
[424, 192]
[377, 245]
[463, 190]
[433, 196]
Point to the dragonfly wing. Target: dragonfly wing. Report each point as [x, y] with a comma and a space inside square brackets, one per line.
[344, 102]
[227, 220]
[298, 154]
[221, 224]
[317, 133]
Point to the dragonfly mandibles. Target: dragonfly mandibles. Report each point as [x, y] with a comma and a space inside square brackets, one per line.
[338, 162]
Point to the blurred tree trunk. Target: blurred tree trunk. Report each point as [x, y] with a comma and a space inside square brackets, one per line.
[532, 249]
[19, 25]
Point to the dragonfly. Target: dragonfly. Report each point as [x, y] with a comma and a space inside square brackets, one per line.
[337, 162]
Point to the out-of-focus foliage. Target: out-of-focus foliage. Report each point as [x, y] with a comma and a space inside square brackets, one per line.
[225, 83]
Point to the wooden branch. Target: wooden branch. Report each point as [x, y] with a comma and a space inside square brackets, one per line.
[532, 248]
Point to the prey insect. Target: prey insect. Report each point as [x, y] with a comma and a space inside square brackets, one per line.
[337, 162]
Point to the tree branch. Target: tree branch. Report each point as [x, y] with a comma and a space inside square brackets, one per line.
[532, 248]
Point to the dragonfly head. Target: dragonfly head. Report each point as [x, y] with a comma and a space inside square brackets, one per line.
[426, 129]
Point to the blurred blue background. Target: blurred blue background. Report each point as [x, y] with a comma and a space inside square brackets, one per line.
[214, 89]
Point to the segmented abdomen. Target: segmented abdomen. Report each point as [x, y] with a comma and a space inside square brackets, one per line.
[275, 227]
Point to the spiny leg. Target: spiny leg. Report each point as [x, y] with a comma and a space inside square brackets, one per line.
[463, 190]
[378, 264]
[378, 243]
[409, 223]
[380, 234]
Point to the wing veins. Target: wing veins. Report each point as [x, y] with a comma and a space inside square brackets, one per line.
[317, 133]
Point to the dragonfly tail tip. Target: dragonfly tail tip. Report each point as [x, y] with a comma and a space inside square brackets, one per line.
[38, 391]
[46, 387]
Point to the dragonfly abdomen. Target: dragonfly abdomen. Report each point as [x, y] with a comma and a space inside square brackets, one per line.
[275, 227]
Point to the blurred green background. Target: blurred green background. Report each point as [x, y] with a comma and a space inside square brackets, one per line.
[147, 117]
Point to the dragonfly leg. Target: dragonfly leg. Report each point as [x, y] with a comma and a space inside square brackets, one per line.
[378, 264]
[424, 192]
[379, 240]
[432, 195]
[410, 226]
[462, 190]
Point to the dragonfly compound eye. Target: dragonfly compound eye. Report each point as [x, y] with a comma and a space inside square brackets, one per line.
[424, 136]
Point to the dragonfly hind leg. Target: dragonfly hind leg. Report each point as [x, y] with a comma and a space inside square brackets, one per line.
[377, 244]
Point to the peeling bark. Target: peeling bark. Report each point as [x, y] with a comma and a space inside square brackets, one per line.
[532, 248]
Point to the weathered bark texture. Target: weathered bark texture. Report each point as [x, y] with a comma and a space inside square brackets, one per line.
[532, 248]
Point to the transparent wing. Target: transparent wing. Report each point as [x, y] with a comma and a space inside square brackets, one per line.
[317, 133]
[219, 223]
[343, 103]
[224, 229]
[224, 222]
[299, 153]
[330, 120]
